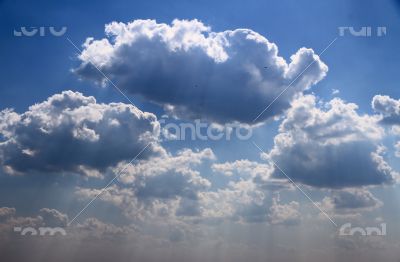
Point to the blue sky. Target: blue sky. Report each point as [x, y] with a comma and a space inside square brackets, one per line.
[324, 153]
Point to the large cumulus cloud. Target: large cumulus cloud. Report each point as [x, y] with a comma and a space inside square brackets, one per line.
[70, 132]
[330, 146]
[194, 72]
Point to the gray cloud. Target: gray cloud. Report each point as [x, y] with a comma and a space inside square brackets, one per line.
[169, 176]
[355, 199]
[170, 189]
[90, 229]
[397, 148]
[6, 213]
[194, 72]
[45, 218]
[162, 186]
[257, 172]
[388, 107]
[243, 168]
[70, 132]
[284, 214]
[53, 217]
[330, 146]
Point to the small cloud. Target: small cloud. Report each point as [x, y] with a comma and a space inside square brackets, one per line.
[335, 91]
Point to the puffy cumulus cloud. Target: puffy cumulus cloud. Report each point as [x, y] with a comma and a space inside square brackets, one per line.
[6, 213]
[70, 132]
[242, 201]
[352, 200]
[388, 107]
[53, 217]
[330, 146]
[239, 201]
[242, 167]
[171, 189]
[284, 214]
[165, 185]
[258, 172]
[395, 130]
[194, 72]
[169, 176]
[397, 148]
[246, 201]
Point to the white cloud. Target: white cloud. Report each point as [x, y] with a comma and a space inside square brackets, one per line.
[257, 172]
[170, 188]
[150, 186]
[194, 72]
[330, 146]
[395, 130]
[242, 167]
[70, 132]
[389, 109]
[284, 214]
[397, 147]
[6, 212]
